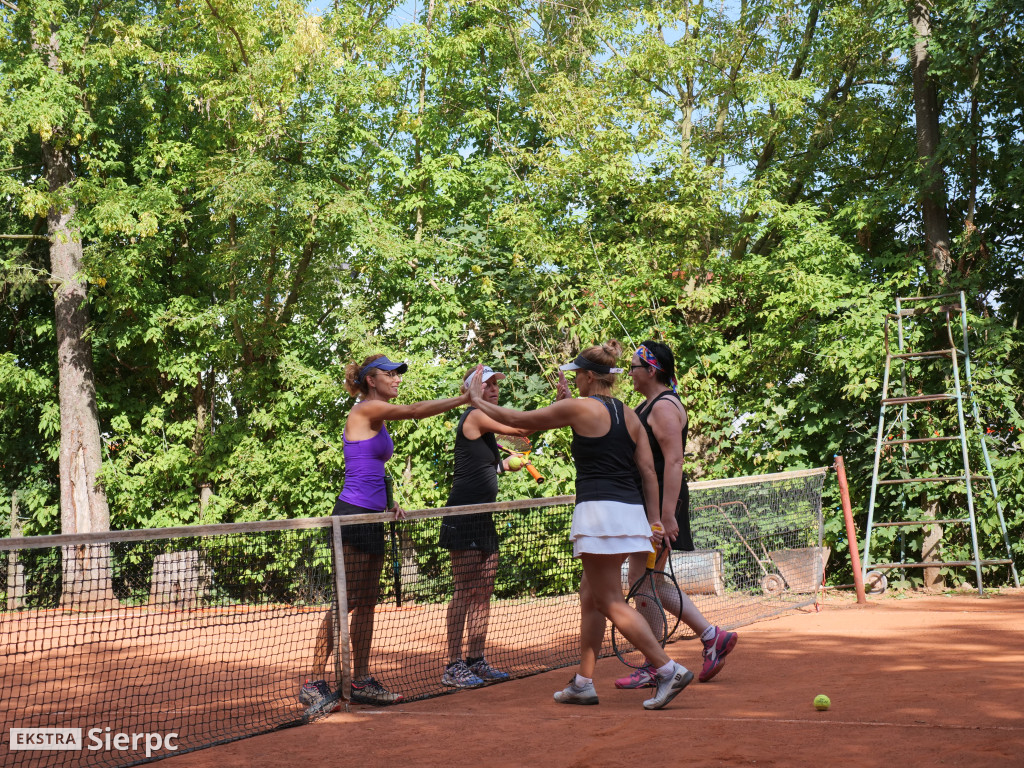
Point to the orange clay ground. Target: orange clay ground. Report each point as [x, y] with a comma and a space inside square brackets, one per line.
[915, 681]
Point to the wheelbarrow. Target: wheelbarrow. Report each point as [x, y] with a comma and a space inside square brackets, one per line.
[797, 568]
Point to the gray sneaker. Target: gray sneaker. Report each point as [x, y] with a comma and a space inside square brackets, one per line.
[487, 673]
[368, 691]
[668, 687]
[573, 695]
[458, 675]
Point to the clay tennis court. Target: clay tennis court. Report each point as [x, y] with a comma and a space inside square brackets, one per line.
[916, 681]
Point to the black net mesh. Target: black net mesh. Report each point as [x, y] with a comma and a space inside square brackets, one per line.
[213, 636]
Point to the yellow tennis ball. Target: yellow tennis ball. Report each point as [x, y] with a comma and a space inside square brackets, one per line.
[822, 702]
[515, 463]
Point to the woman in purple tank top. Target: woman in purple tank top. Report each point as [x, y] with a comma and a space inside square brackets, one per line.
[367, 447]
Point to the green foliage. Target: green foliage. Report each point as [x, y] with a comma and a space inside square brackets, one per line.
[265, 195]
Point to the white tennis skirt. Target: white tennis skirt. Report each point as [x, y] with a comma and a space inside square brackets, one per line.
[609, 528]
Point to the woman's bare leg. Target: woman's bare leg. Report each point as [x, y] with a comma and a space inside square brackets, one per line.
[479, 614]
[602, 575]
[362, 577]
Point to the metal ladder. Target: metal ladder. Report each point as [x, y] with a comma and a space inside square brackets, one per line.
[905, 401]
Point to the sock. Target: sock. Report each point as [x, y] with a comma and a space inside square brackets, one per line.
[471, 660]
[709, 633]
[667, 670]
[582, 682]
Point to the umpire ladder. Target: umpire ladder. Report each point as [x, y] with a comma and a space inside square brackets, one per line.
[904, 405]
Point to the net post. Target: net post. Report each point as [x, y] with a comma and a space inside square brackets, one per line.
[342, 652]
[15, 569]
[851, 534]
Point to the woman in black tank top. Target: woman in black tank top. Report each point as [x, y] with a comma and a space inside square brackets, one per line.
[610, 519]
[473, 540]
[666, 423]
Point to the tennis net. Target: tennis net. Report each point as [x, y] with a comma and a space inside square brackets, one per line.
[155, 643]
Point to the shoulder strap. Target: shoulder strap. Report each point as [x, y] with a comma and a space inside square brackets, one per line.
[462, 420]
[666, 393]
[610, 405]
[670, 393]
[647, 405]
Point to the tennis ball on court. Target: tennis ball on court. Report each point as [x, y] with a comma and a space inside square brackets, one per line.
[822, 702]
[515, 463]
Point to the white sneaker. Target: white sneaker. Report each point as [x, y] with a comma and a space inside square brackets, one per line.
[668, 687]
[573, 695]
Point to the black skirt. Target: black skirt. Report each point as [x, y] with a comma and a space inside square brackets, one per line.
[684, 540]
[469, 532]
[366, 537]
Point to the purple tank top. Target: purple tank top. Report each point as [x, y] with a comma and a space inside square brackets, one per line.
[364, 470]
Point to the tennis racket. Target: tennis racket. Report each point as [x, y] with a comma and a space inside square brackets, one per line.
[396, 562]
[521, 447]
[644, 599]
[670, 594]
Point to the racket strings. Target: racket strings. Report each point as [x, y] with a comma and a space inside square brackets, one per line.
[643, 598]
[514, 443]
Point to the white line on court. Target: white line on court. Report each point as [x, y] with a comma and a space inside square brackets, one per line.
[773, 720]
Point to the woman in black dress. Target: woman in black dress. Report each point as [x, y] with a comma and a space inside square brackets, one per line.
[473, 540]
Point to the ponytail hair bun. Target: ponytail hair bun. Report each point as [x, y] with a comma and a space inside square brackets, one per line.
[354, 384]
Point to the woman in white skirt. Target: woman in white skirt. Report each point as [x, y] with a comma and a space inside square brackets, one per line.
[609, 521]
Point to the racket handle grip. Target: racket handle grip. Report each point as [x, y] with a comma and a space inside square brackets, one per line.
[534, 473]
[652, 558]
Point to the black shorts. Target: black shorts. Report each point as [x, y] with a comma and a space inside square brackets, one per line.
[684, 540]
[469, 532]
[366, 537]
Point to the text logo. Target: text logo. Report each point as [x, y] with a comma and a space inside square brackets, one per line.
[97, 739]
[40, 739]
[108, 740]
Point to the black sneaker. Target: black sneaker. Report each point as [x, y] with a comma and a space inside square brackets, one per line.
[369, 691]
[318, 696]
[312, 691]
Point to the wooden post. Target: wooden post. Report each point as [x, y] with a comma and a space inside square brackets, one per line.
[342, 659]
[851, 534]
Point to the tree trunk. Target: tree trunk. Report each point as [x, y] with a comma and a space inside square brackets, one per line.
[201, 400]
[933, 176]
[933, 578]
[83, 501]
[934, 216]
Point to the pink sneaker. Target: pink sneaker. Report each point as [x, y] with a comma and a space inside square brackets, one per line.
[641, 678]
[715, 651]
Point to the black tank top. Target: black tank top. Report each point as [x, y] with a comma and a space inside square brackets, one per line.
[643, 411]
[604, 465]
[476, 465]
